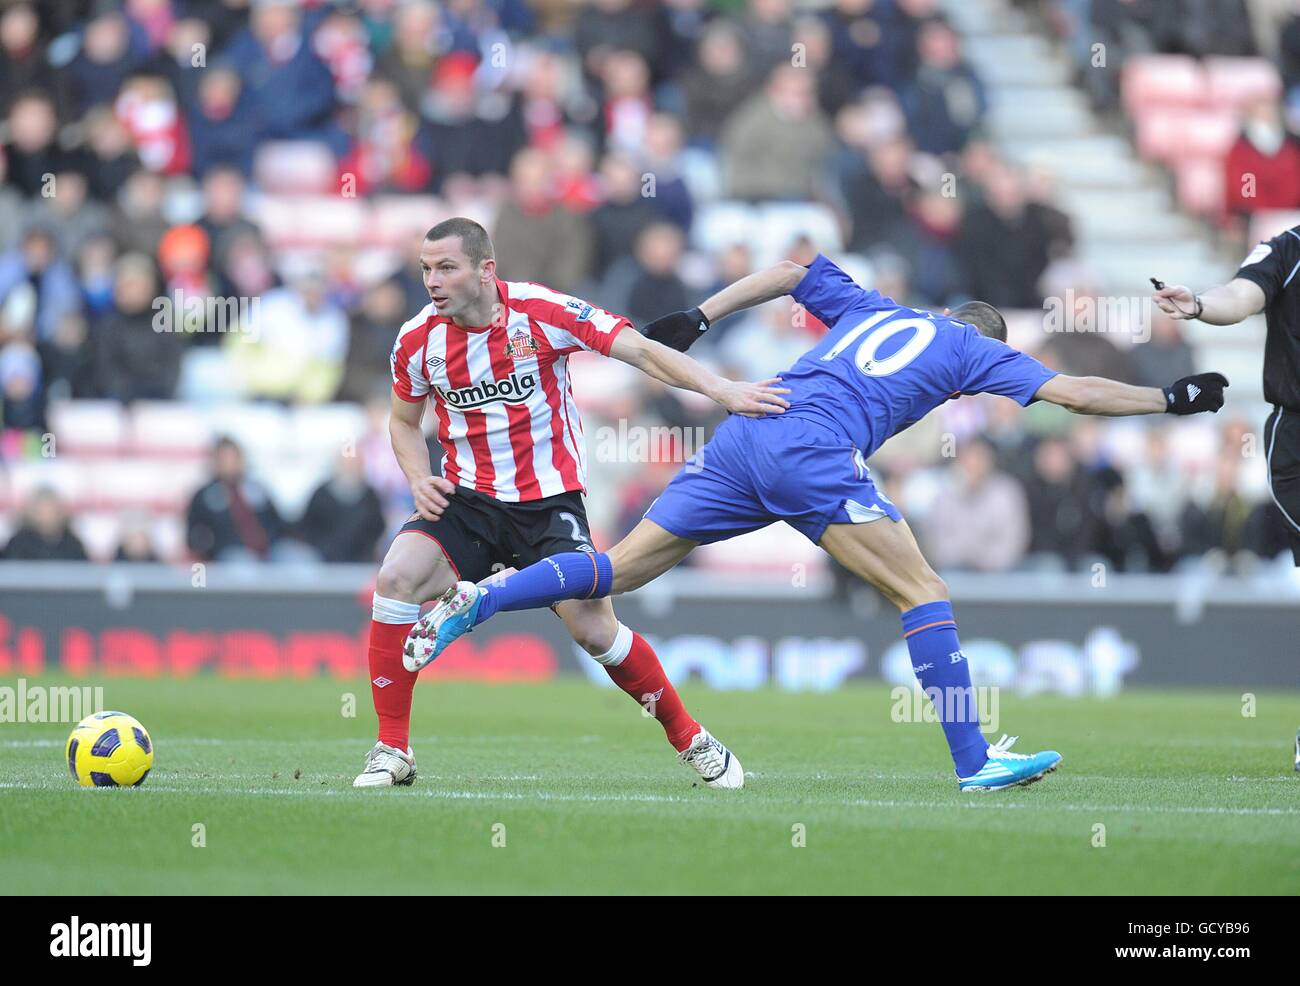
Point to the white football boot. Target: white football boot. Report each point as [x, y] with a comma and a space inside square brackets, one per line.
[717, 765]
[387, 766]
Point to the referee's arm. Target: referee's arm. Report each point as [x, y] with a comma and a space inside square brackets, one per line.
[1226, 304]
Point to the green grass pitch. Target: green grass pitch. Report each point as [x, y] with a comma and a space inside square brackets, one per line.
[1194, 797]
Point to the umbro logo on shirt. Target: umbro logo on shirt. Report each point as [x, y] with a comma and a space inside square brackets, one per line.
[434, 361]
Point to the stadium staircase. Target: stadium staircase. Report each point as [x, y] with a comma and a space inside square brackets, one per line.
[1131, 216]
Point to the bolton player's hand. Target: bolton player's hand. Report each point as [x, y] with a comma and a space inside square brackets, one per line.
[431, 494]
[753, 400]
[678, 330]
[1197, 393]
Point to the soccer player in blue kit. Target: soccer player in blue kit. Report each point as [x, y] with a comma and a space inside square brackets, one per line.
[881, 367]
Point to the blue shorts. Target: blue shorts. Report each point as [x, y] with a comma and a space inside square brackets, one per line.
[757, 471]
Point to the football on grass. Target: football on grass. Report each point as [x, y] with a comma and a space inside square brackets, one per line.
[109, 749]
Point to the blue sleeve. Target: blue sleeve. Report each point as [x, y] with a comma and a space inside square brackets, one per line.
[828, 292]
[993, 367]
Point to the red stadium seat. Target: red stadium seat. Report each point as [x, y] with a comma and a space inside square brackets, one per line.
[1170, 135]
[296, 167]
[1162, 80]
[88, 427]
[1237, 82]
[1200, 185]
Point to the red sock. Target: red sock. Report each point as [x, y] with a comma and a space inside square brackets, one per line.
[642, 676]
[390, 683]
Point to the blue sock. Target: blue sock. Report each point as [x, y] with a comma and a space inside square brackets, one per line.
[569, 575]
[944, 674]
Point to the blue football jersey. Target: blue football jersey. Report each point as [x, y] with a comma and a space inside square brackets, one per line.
[883, 366]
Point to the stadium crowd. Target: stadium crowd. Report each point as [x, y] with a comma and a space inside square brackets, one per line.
[145, 143]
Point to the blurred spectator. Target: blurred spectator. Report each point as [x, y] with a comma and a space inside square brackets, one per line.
[1125, 537]
[945, 101]
[1061, 522]
[67, 363]
[980, 520]
[626, 104]
[718, 83]
[575, 185]
[770, 339]
[223, 208]
[1006, 277]
[836, 86]
[646, 285]
[419, 38]
[111, 158]
[290, 90]
[34, 279]
[135, 542]
[222, 129]
[470, 133]
[294, 348]
[95, 258]
[551, 101]
[1221, 523]
[385, 155]
[343, 520]
[1262, 169]
[606, 26]
[23, 62]
[619, 219]
[182, 57]
[44, 534]
[148, 109]
[30, 149]
[68, 213]
[535, 239]
[22, 400]
[1166, 356]
[766, 33]
[232, 518]
[930, 244]
[876, 193]
[661, 157]
[111, 49]
[138, 222]
[754, 165]
[372, 333]
[134, 358]
[863, 40]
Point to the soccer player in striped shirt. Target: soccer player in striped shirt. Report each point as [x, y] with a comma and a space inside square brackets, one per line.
[491, 357]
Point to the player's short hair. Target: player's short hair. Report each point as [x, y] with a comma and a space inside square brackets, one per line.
[474, 239]
[984, 317]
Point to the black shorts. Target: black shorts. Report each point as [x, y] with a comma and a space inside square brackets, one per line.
[1282, 447]
[481, 535]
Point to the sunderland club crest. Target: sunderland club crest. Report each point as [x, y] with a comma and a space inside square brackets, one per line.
[521, 346]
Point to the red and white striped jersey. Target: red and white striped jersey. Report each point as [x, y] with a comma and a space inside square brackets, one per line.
[507, 421]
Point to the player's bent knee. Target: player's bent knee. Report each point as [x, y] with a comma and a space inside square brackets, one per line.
[394, 582]
[928, 588]
[593, 629]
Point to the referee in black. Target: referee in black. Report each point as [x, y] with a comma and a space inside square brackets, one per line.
[1267, 281]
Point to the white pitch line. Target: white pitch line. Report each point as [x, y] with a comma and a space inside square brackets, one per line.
[966, 805]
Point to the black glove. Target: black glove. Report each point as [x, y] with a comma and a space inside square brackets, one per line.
[679, 330]
[1197, 393]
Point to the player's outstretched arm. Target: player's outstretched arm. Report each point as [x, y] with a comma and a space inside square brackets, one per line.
[430, 491]
[753, 400]
[1226, 304]
[1099, 395]
[679, 330]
